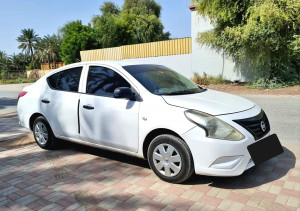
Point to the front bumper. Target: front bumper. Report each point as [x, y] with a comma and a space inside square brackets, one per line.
[221, 157]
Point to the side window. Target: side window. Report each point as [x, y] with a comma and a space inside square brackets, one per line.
[52, 80]
[103, 81]
[67, 80]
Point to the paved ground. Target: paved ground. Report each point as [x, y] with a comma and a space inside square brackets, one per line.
[75, 177]
[8, 98]
[9, 127]
[82, 178]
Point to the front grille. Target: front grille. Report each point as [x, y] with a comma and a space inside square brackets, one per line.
[254, 125]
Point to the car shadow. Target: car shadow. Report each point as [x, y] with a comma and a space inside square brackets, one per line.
[266, 172]
[4, 102]
[103, 153]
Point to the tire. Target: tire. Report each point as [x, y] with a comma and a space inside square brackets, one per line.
[170, 158]
[43, 134]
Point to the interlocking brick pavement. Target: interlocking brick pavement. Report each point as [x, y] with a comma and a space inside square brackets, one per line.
[10, 128]
[76, 177]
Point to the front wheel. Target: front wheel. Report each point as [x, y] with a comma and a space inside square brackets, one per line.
[43, 134]
[170, 158]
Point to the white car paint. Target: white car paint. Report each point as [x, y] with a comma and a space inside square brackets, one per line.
[211, 102]
[122, 125]
[213, 149]
[112, 114]
[66, 124]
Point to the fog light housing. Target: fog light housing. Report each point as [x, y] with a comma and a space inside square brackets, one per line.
[228, 162]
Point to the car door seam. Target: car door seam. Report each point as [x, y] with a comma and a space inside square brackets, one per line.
[78, 116]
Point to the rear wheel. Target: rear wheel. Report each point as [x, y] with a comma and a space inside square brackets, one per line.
[43, 134]
[170, 158]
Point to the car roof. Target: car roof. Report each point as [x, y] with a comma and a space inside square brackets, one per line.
[110, 63]
[116, 64]
[113, 64]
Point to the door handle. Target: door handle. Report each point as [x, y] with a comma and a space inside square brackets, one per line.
[45, 101]
[88, 107]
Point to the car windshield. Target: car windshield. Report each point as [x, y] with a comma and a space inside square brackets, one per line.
[160, 80]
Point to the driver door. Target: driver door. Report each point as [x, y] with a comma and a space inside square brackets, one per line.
[106, 120]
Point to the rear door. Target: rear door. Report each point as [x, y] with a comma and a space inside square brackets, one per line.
[105, 120]
[59, 102]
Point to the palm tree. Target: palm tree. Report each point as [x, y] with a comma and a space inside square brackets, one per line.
[53, 47]
[20, 61]
[48, 49]
[3, 56]
[5, 61]
[41, 51]
[28, 40]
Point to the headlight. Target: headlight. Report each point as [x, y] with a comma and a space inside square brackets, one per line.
[214, 127]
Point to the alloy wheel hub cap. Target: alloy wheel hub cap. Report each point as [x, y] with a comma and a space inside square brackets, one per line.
[41, 133]
[167, 160]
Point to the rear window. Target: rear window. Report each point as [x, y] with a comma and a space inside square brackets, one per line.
[67, 80]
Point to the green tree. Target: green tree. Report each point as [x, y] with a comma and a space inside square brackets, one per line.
[76, 37]
[48, 49]
[28, 40]
[19, 61]
[262, 34]
[5, 61]
[41, 53]
[143, 16]
[138, 22]
[63, 30]
[112, 30]
[3, 58]
[109, 7]
[3, 75]
[5, 64]
[2, 55]
[142, 7]
[147, 28]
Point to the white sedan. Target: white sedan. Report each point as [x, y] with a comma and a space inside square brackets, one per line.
[151, 112]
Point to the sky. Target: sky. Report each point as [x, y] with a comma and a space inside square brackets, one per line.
[46, 17]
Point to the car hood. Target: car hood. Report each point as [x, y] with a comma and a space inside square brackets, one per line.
[210, 102]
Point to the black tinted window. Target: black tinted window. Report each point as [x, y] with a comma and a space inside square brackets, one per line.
[103, 81]
[52, 80]
[67, 80]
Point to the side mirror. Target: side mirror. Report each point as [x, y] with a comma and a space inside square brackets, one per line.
[123, 92]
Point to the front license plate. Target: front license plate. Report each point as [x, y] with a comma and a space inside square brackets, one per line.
[265, 149]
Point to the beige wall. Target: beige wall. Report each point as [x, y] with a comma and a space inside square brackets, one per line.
[37, 73]
[45, 66]
[144, 50]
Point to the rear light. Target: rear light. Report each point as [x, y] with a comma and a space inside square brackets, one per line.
[21, 95]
